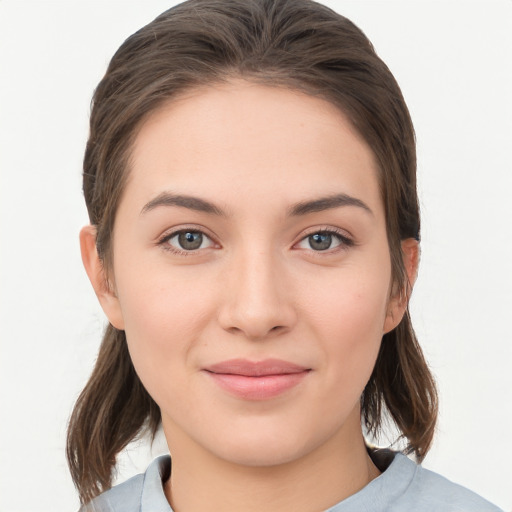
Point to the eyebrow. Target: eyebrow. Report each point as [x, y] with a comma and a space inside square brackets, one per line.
[184, 201]
[327, 203]
[300, 208]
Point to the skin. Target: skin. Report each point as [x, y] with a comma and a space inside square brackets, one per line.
[255, 289]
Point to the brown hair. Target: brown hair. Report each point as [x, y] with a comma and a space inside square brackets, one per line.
[297, 44]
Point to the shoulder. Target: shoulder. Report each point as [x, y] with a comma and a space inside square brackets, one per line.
[123, 497]
[429, 491]
[130, 496]
[405, 486]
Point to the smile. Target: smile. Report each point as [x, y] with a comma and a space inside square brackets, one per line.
[260, 380]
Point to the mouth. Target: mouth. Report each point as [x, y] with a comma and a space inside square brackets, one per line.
[256, 380]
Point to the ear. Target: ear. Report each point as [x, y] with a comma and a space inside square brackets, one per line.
[99, 280]
[398, 302]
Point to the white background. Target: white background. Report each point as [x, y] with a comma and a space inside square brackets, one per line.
[453, 62]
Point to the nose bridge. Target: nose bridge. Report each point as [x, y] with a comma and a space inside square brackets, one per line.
[256, 296]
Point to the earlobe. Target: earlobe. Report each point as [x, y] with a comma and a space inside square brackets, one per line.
[98, 278]
[399, 301]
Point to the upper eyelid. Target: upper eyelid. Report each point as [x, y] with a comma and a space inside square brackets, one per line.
[342, 233]
[170, 232]
[339, 232]
[163, 242]
[345, 240]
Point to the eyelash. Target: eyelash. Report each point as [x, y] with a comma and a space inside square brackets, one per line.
[164, 241]
[345, 242]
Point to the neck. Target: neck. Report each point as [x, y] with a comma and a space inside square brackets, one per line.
[201, 481]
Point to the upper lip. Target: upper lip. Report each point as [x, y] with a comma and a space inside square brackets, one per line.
[256, 368]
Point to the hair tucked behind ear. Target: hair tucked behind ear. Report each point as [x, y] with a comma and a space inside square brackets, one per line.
[297, 44]
[110, 411]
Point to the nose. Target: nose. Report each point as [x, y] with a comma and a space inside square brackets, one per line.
[257, 299]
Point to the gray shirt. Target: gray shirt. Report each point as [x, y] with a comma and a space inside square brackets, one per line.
[403, 487]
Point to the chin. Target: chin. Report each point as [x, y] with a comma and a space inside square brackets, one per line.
[262, 454]
[268, 445]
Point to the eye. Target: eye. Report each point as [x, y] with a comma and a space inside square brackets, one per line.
[324, 240]
[187, 240]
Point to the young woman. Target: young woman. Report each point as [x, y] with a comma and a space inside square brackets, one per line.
[250, 182]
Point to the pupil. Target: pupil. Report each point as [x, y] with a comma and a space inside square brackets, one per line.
[320, 241]
[190, 240]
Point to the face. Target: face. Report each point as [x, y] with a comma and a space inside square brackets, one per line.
[251, 271]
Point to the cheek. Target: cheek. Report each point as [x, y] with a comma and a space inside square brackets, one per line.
[349, 301]
[164, 315]
[348, 316]
[161, 300]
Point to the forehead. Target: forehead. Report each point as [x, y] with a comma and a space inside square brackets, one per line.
[239, 137]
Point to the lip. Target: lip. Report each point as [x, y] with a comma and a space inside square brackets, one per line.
[256, 380]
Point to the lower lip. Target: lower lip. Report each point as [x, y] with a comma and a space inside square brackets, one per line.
[258, 388]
